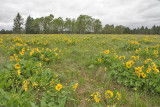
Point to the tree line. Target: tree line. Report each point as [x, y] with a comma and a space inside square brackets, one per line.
[84, 24]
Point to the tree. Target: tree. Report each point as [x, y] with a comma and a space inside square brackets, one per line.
[68, 25]
[5, 31]
[47, 24]
[58, 25]
[18, 22]
[73, 26]
[127, 30]
[81, 24]
[108, 29]
[97, 26]
[28, 25]
[119, 29]
[142, 30]
[36, 26]
[2, 31]
[146, 31]
[84, 24]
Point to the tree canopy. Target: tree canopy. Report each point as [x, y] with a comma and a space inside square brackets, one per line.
[84, 24]
[18, 22]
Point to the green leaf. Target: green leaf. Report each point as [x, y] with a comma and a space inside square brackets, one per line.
[62, 102]
[43, 102]
[11, 102]
[33, 104]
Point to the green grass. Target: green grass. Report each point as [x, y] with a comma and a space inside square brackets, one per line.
[76, 65]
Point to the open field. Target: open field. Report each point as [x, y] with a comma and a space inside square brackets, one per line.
[80, 70]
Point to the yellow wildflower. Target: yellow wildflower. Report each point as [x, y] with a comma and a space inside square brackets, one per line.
[17, 66]
[156, 71]
[97, 97]
[155, 52]
[25, 85]
[47, 59]
[118, 96]
[135, 88]
[154, 67]
[21, 53]
[34, 84]
[75, 86]
[56, 54]
[124, 57]
[105, 69]
[56, 76]
[146, 49]
[58, 87]
[19, 72]
[55, 49]
[99, 59]
[42, 56]
[133, 57]
[149, 69]
[143, 75]
[149, 59]
[108, 94]
[31, 53]
[116, 56]
[40, 64]
[145, 61]
[128, 64]
[11, 58]
[106, 51]
[138, 74]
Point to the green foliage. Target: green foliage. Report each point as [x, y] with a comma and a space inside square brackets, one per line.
[133, 45]
[144, 77]
[18, 22]
[28, 25]
[25, 80]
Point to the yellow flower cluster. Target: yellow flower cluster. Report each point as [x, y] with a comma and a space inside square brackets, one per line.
[138, 71]
[154, 67]
[146, 49]
[156, 53]
[19, 71]
[138, 50]
[135, 42]
[25, 85]
[22, 52]
[75, 86]
[129, 63]
[42, 57]
[14, 57]
[108, 94]
[135, 58]
[120, 57]
[97, 97]
[34, 84]
[32, 51]
[149, 69]
[118, 96]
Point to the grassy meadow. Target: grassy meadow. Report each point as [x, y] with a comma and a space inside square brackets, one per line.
[79, 70]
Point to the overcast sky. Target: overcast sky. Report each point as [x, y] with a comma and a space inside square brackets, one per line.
[131, 13]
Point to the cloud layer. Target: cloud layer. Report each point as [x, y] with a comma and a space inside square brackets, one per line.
[131, 13]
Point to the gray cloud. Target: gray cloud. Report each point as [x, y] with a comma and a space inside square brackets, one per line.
[132, 13]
